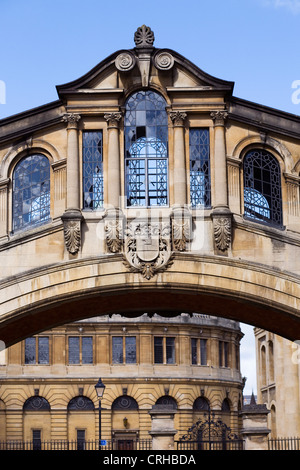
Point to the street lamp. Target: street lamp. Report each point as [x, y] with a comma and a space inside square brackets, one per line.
[100, 387]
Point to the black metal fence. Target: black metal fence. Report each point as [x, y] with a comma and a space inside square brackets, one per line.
[284, 443]
[111, 444]
[235, 444]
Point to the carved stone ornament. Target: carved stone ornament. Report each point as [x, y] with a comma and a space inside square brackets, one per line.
[181, 229]
[178, 117]
[114, 237]
[163, 61]
[147, 247]
[219, 117]
[222, 232]
[144, 37]
[125, 62]
[72, 232]
[72, 119]
[113, 119]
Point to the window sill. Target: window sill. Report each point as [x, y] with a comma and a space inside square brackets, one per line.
[33, 233]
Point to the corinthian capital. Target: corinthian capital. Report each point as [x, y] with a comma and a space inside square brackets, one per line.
[72, 119]
[178, 117]
[113, 119]
[219, 117]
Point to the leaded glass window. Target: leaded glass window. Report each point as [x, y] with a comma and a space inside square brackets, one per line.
[31, 192]
[80, 349]
[130, 348]
[37, 350]
[92, 170]
[117, 350]
[262, 187]
[199, 167]
[158, 350]
[146, 149]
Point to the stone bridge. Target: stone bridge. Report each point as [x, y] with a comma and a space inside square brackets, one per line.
[148, 187]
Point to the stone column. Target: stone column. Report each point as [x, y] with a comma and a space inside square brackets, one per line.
[162, 429]
[73, 191]
[72, 216]
[180, 184]
[4, 185]
[255, 431]
[113, 172]
[220, 172]
[221, 215]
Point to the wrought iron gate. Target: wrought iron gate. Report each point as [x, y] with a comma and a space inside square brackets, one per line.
[210, 434]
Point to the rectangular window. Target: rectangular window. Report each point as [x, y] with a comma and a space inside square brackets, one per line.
[80, 350]
[158, 350]
[117, 350]
[194, 350]
[80, 439]
[130, 348]
[36, 439]
[203, 352]
[37, 350]
[223, 353]
[43, 350]
[199, 356]
[199, 167]
[92, 155]
[87, 350]
[124, 349]
[74, 350]
[170, 350]
[30, 351]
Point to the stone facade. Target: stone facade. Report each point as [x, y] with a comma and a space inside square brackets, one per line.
[135, 386]
[278, 380]
[209, 235]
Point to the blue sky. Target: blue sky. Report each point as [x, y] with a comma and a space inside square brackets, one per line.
[254, 43]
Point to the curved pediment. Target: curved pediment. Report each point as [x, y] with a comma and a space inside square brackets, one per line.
[142, 66]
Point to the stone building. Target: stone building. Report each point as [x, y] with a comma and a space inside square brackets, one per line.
[147, 186]
[191, 363]
[278, 381]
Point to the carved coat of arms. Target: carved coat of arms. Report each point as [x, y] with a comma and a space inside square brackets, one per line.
[147, 247]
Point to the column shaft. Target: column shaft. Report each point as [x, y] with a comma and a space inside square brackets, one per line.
[113, 173]
[73, 181]
[180, 183]
[220, 166]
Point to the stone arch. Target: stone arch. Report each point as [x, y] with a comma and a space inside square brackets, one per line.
[123, 403]
[257, 295]
[268, 143]
[36, 403]
[28, 147]
[80, 403]
[168, 401]
[201, 404]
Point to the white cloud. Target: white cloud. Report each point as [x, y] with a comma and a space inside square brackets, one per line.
[292, 5]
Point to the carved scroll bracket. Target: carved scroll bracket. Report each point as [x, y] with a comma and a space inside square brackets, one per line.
[222, 229]
[114, 230]
[181, 228]
[72, 230]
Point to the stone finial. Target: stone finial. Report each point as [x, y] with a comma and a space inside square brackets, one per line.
[144, 37]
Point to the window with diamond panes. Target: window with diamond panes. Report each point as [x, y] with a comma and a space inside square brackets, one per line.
[262, 187]
[31, 192]
[199, 167]
[146, 150]
[92, 170]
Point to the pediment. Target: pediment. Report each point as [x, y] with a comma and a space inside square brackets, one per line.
[142, 66]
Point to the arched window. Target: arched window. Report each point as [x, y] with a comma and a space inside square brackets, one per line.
[167, 400]
[201, 404]
[146, 149]
[262, 187]
[36, 403]
[124, 403]
[31, 192]
[226, 405]
[81, 403]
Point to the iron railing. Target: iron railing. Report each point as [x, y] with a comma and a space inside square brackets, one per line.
[234, 444]
[111, 444]
[284, 443]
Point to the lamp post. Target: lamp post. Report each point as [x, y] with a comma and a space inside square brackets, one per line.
[100, 387]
